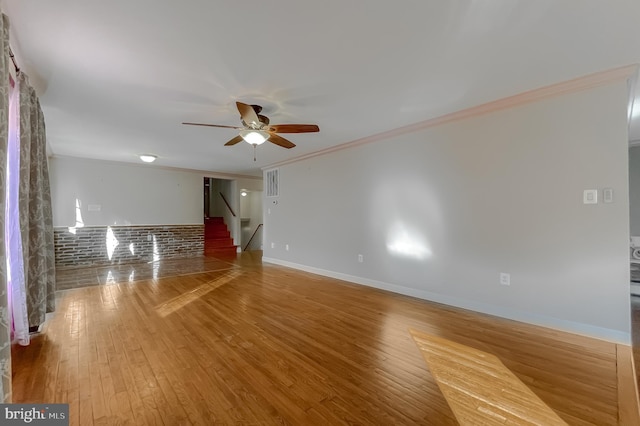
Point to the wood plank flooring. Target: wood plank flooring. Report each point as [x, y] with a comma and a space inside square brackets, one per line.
[257, 344]
[479, 388]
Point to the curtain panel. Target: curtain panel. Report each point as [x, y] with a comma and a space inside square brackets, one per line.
[16, 288]
[36, 218]
[5, 340]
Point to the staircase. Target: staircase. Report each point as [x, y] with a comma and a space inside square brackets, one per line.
[217, 239]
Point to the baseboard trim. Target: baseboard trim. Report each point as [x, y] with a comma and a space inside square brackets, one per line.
[601, 333]
[628, 403]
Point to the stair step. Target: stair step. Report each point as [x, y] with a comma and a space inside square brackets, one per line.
[221, 251]
[216, 234]
[217, 238]
[212, 220]
[218, 242]
[216, 225]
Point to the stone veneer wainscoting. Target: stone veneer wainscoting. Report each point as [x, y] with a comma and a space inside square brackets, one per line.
[88, 245]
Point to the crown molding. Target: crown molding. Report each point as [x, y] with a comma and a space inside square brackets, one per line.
[563, 88]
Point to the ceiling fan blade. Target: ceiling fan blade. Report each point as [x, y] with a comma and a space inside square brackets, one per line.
[234, 141]
[294, 128]
[248, 114]
[280, 141]
[213, 125]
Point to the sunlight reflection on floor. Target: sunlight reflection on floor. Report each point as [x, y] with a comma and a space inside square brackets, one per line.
[69, 278]
[184, 299]
[479, 388]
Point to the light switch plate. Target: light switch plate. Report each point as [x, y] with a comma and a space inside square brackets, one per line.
[505, 279]
[590, 196]
[607, 195]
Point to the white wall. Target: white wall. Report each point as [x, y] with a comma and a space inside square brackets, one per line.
[256, 202]
[218, 207]
[251, 212]
[441, 212]
[250, 184]
[126, 194]
[132, 194]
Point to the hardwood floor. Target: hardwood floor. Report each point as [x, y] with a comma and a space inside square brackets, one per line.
[257, 344]
[479, 388]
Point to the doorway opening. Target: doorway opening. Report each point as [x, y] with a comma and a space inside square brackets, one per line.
[221, 221]
[251, 220]
[232, 217]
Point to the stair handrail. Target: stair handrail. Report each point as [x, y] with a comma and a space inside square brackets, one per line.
[227, 203]
[251, 239]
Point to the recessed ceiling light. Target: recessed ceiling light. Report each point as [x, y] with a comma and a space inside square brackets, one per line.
[148, 158]
[243, 193]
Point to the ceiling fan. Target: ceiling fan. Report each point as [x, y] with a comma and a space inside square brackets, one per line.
[256, 128]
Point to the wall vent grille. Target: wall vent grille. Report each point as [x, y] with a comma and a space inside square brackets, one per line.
[272, 183]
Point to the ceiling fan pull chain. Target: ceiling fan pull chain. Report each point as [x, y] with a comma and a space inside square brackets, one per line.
[254, 151]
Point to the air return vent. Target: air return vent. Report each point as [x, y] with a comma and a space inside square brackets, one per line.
[271, 183]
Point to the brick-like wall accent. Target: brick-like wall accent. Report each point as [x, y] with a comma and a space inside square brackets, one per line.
[88, 246]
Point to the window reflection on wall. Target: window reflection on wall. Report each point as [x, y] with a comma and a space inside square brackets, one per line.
[405, 242]
[112, 242]
[79, 221]
[156, 258]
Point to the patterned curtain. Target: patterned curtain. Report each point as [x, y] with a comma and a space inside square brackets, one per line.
[12, 238]
[36, 218]
[5, 340]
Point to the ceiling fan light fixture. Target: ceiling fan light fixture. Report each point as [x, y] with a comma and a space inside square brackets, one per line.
[148, 158]
[254, 137]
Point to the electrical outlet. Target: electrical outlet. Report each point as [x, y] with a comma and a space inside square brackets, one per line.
[360, 258]
[505, 279]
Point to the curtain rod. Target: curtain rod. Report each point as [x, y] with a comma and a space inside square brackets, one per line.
[13, 59]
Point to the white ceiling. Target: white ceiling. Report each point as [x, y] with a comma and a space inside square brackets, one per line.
[116, 78]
